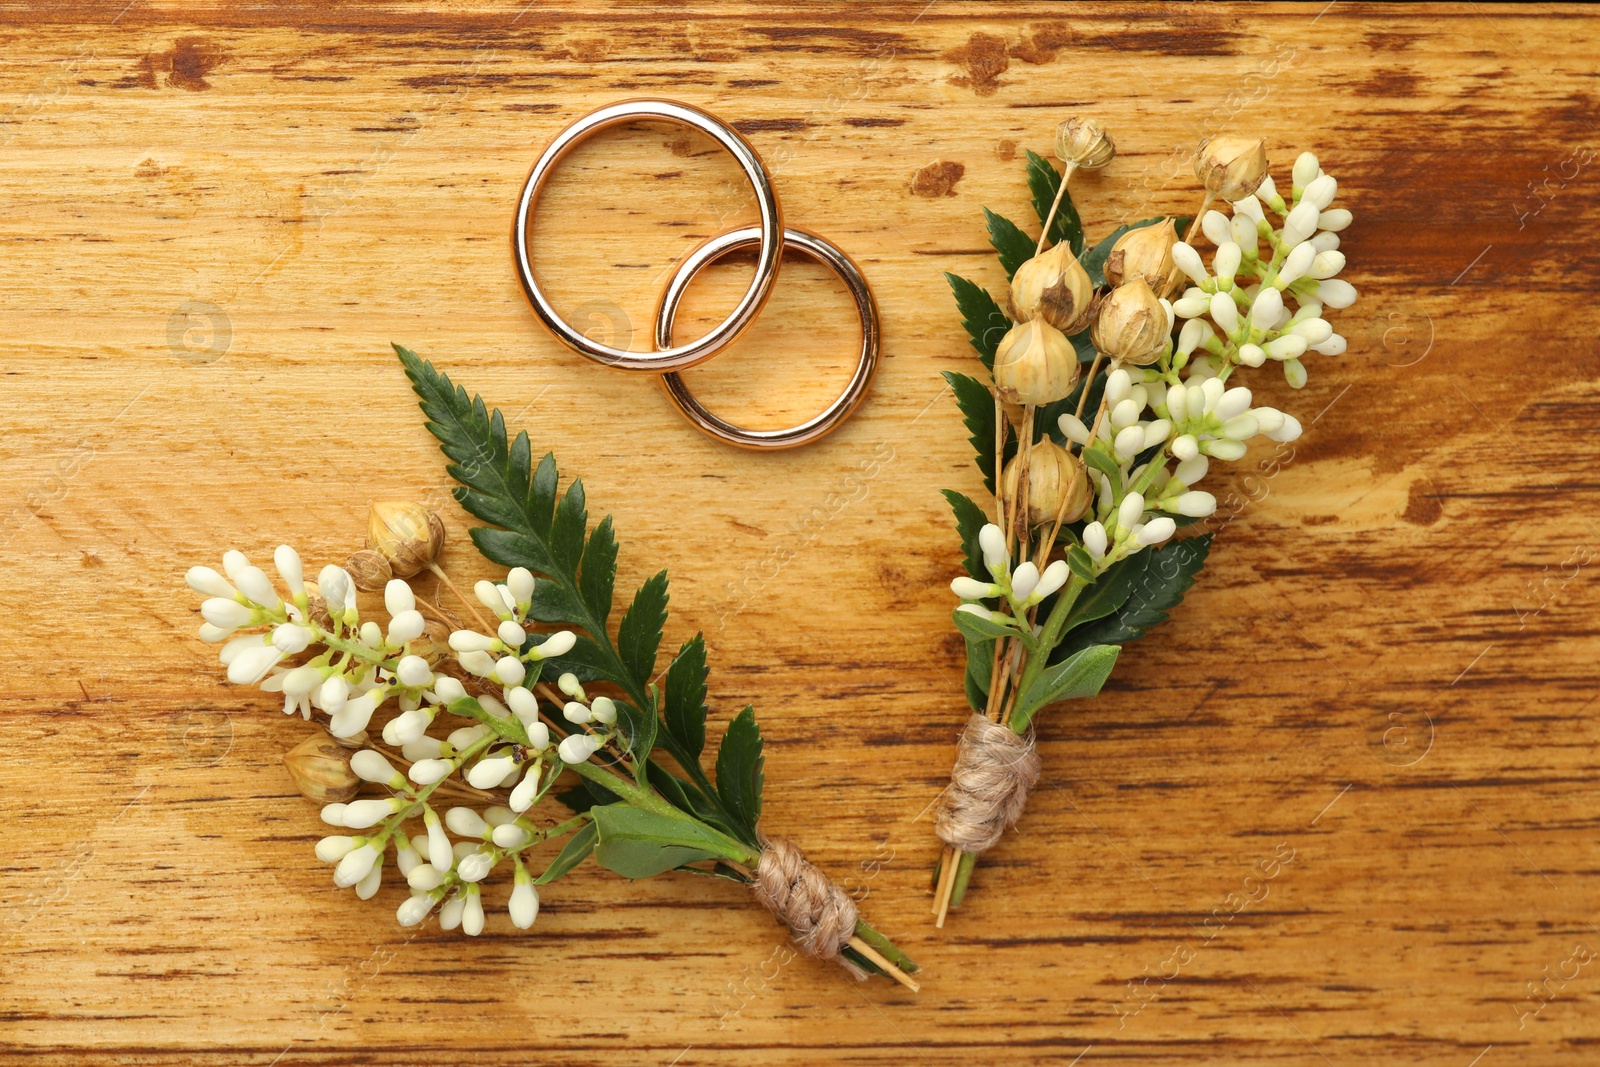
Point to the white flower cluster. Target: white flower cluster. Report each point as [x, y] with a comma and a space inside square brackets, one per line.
[353, 666]
[1161, 425]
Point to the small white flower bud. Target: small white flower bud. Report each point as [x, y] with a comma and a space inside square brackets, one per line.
[1224, 312]
[1315, 331]
[371, 635]
[1073, 429]
[397, 597]
[354, 716]
[1335, 220]
[1128, 442]
[523, 704]
[577, 747]
[1333, 346]
[430, 770]
[538, 736]
[1023, 580]
[466, 823]
[1289, 346]
[1225, 264]
[1224, 450]
[334, 849]
[509, 670]
[1054, 577]
[407, 727]
[1306, 169]
[424, 877]
[519, 582]
[251, 664]
[568, 684]
[1094, 539]
[413, 672]
[522, 796]
[413, 910]
[972, 589]
[1235, 401]
[287, 560]
[368, 887]
[1240, 427]
[448, 689]
[1194, 333]
[208, 582]
[490, 596]
[1294, 372]
[511, 633]
[1214, 224]
[370, 766]
[1156, 531]
[1300, 224]
[1242, 230]
[576, 712]
[510, 835]
[228, 614]
[1196, 504]
[472, 914]
[355, 866]
[1289, 431]
[1191, 470]
[1336, 293]
[489, 773]
[557, 644]
[1129, 513]
[1185, 447]
[1320, 191]
[1252, 355]
[1189, 261]
[333, 814]
[360, 814]
[423, 748]
[1119, 386]
[1268, 419]
[476, 867]
[993, 543]
[1325, 241]
[1191, 305]
[604, 710]
[1266, 309]
[524, 904]
[440, 853]
[470, 641]
[255, 585]
[1155, 433]
[479, 663]
[290, 638]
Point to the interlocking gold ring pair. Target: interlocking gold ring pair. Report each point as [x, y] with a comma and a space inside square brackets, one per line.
[770, 238]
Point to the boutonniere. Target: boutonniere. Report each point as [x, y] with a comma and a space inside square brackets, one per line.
[1111, 384]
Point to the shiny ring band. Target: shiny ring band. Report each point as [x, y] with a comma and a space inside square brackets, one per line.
[823, 252]
[770, 235]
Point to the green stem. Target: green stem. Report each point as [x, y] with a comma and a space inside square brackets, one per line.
[1051, 635]
[958, 890]
[645, 799]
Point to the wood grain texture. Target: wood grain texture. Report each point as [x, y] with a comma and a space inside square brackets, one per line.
[216, 220]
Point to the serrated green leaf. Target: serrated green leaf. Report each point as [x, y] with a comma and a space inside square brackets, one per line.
[970, 520]
[684, 710]
[985, 323]
[1157, 587]
[1109, 592]
[1012, 245]
[574, 852]
[1079, 675]
[977, 413]
[739, 772]
[639, 727]
[567, 530]
[638, 844]
[1044, 181]
[639, 636]
[598, 571]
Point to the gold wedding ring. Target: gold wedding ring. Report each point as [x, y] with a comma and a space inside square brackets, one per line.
[823, 252]
[769, 238]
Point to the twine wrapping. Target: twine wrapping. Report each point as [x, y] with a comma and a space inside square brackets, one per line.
[994, 772]
[820, 916]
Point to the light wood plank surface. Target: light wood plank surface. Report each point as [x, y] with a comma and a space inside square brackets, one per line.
[217, 218]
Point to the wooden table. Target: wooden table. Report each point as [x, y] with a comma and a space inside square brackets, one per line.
[217, 220]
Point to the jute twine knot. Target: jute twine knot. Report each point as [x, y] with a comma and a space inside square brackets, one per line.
[820, 916]
[995, 770]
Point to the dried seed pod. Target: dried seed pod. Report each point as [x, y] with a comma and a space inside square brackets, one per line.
[1231, 167]
[320, 767]
[1053, 286]
[369, 569]
[1144, 253]
[1084, 143]
[408, 535]
[1130, 324]
[1057, 484]
[1035, 364]
[317, 607]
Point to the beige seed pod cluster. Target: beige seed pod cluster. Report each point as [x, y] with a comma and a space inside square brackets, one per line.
[320, 767]
[1084, 143]
[1053, 286]
[1145, 253]
[407, 535]
[1231, 167]
[1057, 485]
[1035, 364]
[1130, 325]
